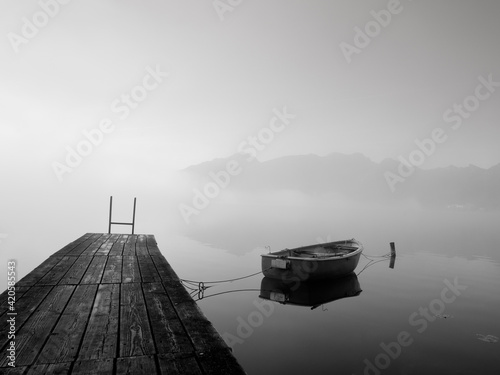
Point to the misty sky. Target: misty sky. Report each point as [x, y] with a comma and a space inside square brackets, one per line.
[227, 71]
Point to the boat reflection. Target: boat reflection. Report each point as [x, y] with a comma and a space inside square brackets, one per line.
[310, 293]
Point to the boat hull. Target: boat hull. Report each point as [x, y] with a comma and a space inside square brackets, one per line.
[284, 266]
[312, 293]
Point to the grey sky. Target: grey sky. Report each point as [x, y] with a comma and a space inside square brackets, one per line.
[226, 77]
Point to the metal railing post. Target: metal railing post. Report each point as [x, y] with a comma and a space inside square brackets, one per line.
[118, 223]
[110, 212]
[133, 217]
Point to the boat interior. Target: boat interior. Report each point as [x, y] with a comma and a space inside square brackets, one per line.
[320, 251]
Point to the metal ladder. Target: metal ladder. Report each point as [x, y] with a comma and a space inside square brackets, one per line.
[118, 223]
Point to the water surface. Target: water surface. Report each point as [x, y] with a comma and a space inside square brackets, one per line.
[435, 248]
[435, 312]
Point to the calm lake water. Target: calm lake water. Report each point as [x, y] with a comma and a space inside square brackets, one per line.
[447, 264]
[435, 312]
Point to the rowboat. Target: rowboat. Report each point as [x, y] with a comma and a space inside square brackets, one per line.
[313, 262]
[311, 293]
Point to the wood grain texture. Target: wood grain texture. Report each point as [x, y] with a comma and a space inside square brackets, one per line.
[64, 341]
[24, 308]
[110, 304]
[113, 270]
[129, 247]
[101, 336]
[72, 245]
[4, 299]
[39, 272]
[93, 367]
[95, 270]
[184, 364]
[54, 368]
[136, 365]
[169, 333]
[58, 271]
[130, 269]
[117, 248]
[77, 270]
[136, 338]
[31, 338]
[149, 274]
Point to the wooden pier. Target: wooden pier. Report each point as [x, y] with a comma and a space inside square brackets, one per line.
[110, 304]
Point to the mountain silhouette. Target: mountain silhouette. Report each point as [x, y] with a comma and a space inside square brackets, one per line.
[358, 178]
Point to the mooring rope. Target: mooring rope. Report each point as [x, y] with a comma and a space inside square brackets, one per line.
[371, 263]
[198, 287]
[222, 281]
[388, 255]
[202, 296]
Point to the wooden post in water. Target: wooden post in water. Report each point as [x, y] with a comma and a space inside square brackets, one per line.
[393, 255]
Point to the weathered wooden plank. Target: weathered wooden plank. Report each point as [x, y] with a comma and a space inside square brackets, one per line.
[198, 327]
[95, 270]
[32, 335]
[18, 370]
[64, 341]
[218, 362]
[117, 248]
[93, 367]
[189, 310]
[203, 335]
[77, 251]
[39, 272]
[141, 248]
[113, 270]
[168, 332]
[94, 246]
[178, 364]
[77, 270]
[129, 248]
[101, 336]
[54, 368]
[149, 274]
[177, 292]
[130, 270]
[165, 271]
[136, 365]
[24, 308]
[106, 246]
[135, 332]
[72, 245]
[4, 298]
[91, 324]
[152, 246]
[58, 271]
